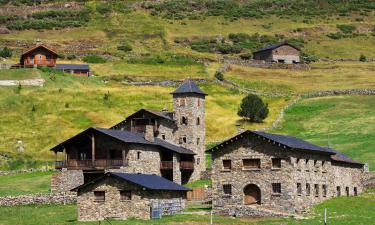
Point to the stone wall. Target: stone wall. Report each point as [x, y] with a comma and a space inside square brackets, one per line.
[113, 207]
[66, 180]
[44, 199]
[296, 167]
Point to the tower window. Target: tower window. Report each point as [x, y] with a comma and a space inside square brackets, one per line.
[276, 163]
[355, 191]
[299, 188]
[324, 190]
[347, 191]
[227, 188]
[138, 155]
[198, 121]
[199, 102]
[184, 120]
[276, 188]
[99, 196]
[316, 188]
[227, 164]
[198, 141]
[198, 161]
[182, 102]
[163, 136]
[308, 189]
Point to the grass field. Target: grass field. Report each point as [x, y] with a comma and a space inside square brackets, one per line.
[341, 211]
[19, 74]
[26, 183]
[345, 123]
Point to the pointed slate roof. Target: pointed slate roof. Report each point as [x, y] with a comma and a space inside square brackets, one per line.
[148, 181]
[188, 86]
[271, 47]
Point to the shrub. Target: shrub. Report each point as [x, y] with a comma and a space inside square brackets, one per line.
[336, 36]
[346, 28]
[362, 58]
[228, 49]
[94, 59]
[246, 56]
[203, 45]
[6, 52]
[71, 56]
[124, 47]
[253, 108]
[106, 96]
[103, 8]
[219, 75]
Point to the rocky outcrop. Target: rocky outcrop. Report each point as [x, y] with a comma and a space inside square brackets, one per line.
[43, 199]
[29, 82]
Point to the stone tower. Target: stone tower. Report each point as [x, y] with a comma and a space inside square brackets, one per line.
[189, 113]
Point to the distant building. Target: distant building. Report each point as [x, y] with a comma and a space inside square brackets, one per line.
[40, 55]
[129, 195]
[280, 53]
[257, 174]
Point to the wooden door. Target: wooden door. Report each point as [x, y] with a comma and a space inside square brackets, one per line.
[251, 194]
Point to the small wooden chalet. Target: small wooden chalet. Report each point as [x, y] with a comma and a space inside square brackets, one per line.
[39, 55]
[129, 195]
[279, 53]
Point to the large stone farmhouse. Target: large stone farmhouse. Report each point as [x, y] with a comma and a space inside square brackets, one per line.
[256, 171]
[280, 53]
[129, 195]
[41, 55]
[167, 144]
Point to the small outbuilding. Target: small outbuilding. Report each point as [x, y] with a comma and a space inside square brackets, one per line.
[280, 53]
[129, 195]
[79, 69]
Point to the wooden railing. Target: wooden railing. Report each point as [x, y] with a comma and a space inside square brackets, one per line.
[187, 165]
[166, 165]
[98, 163]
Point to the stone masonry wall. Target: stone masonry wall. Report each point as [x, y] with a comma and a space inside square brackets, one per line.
[113, 207]
[42, 198]
[66, 180]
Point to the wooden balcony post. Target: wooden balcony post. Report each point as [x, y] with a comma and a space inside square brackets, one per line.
[123, 157]
[93, 149]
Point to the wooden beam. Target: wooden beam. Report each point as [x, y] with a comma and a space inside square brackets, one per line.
[93, 148]
[123, 157]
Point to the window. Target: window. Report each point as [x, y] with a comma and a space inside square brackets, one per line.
[251, 163]
[138, 155]
[198, 161]
[316, 188]
[276, 188]
[355, 191]
[338, 190]
[199, 102]
[347, 191]
[198, 141]
[298, 164]
[324, 167]
[227, 188]
[99, 196]
[227, 164]
[125, 195]
[184, 139]
[324, 190]
[276, 163]
[299, 188]
[184, 120]
[308, 189]
[307, 165]
[163, 136]
[198, 121]
[182, 102]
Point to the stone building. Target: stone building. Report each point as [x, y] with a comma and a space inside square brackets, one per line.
[280, 53]
[256, 173]
[129, 195]
[168, 144]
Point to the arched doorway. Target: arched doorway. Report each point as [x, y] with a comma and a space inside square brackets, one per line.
[251, 194]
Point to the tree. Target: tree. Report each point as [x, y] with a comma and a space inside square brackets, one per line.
[253, 108]
[362, 58]
[6, 52]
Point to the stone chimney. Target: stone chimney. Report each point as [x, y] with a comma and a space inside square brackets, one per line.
[149, 133]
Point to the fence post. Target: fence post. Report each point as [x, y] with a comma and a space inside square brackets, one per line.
[211, 218]
[325, 216]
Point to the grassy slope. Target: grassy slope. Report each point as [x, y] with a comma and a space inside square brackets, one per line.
[25, 183]
[341, 211]
[19, 74]
[345, 122]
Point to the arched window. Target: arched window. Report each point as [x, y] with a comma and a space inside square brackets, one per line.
[198, 121]
[184, 120]
[252, 194]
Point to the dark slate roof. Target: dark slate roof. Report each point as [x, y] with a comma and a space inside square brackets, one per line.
[148, 181]
[188, 86]
[72, 67]
[163, 114]
[134, 138]
[294, 143]
[271, 47]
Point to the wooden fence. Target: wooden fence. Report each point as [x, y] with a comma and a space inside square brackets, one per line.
[197, 194]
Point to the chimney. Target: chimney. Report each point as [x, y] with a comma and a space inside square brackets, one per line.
[149, 134]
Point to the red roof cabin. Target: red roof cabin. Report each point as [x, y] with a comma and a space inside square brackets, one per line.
[39, 56]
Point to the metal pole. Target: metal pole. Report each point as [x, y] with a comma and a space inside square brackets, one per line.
[325, 216]
[211, 218]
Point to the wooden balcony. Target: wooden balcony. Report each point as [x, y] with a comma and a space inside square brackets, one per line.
[166, 165]
[186, 165]
[89, 164]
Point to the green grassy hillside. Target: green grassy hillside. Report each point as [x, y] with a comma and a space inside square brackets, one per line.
[345, 123]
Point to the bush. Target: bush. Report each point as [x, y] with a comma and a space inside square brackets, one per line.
[246, 56]
[94, 59]
[203, 45]
[219, 75]
[6, 52]
[346, 28]
[71, 57]
[124, 47]
[336, 36]
[362, 58]
[253, 108]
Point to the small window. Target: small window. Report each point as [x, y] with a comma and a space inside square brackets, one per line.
[251, 163]
[198, 161]
[316, 188]
[276, 163]
[308, 189]
[138, 155]
[125, 195]
[338, 190]
[307, 165]
[184, 120]
[99, 196]
[184, 139]
[163, 136]
[199, 102]
[227, 164]
[299, 188]
[198, 141]
[227, 188]
[198, 121]
[355, 191]
[182, 102]
[315, 163]
[347, 191]
[324, 190]
[276, 188]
